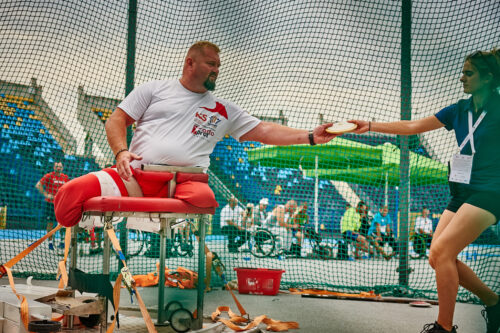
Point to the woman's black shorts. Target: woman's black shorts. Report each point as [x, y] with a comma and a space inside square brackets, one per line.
[489, 201]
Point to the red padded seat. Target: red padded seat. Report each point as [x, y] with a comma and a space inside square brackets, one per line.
[143, 204]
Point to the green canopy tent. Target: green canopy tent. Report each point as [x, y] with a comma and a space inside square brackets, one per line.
[423, 170]
[350, 161]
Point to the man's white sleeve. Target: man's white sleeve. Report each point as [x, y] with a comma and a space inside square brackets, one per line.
[242, 122]
[138, 101]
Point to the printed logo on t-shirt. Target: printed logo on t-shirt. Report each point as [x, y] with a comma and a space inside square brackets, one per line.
[213, 121]
[219, 108]
[202, 132]
[201, 119]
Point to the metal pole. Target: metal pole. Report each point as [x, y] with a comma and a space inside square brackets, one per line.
[386, 191]
[202, 224]
[129, 86]
[404, 172]
[316, 218]
[164, 228]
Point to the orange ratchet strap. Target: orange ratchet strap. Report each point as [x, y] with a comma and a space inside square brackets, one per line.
[6, 269]
[24, 302]
[62, 274]
[129, 283]
[25, 252]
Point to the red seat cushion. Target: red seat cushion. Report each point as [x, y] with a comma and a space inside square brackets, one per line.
[150, 205]
[153, 184]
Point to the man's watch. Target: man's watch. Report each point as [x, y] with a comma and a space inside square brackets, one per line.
[311, 138]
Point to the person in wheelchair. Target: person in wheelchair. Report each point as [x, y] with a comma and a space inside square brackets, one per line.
[295, 218]
[363, 210]
[423, 233]
[261, 214]
[280, 224]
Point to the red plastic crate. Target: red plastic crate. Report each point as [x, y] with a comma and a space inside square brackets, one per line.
[259, 281]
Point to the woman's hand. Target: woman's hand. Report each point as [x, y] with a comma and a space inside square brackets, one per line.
[363, 126]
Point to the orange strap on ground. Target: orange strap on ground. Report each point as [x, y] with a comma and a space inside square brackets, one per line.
[238, 304]
[362, 294]
[142, 306]
[62, 274]
[234, 320]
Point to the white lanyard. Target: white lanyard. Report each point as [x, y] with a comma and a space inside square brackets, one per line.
[472, 129]
[461, 165]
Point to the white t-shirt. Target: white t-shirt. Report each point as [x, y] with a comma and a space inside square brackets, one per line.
[227, 213]
[423, 223]
[176, 126]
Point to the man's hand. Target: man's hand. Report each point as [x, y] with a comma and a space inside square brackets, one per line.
[363, 126]
[320, 134]
[123, 164]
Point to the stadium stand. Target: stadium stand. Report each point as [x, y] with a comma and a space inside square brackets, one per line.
[32, 138]
[93, 111]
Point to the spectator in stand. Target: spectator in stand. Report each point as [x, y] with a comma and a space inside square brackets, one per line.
[381, 229]
[423, 233]
[231, 225]
[349, 227]
[48, 186]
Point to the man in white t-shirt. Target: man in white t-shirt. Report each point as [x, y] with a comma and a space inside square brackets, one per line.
[423, 232]
[178, 122]
[230, 223]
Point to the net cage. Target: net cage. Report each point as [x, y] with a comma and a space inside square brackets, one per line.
[65, 66]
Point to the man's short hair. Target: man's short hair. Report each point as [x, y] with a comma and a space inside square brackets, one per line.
[200, 45]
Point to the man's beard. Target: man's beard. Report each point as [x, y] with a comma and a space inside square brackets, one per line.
[208, 84]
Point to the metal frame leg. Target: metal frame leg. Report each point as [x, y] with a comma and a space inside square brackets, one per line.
[106, 253]
[74, 247]
[202, 225]
[161, 274]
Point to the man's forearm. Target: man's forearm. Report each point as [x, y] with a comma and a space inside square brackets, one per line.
[116, 133]
[275, 134]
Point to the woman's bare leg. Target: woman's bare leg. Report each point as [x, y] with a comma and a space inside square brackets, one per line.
[453, 234]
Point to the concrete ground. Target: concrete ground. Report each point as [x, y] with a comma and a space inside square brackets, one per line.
[313, 315]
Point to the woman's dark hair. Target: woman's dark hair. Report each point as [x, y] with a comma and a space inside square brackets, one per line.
[487, 62]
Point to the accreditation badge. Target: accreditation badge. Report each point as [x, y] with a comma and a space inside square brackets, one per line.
[461, 168]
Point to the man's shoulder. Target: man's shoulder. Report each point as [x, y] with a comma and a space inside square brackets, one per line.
[229, 105]
[156, 86]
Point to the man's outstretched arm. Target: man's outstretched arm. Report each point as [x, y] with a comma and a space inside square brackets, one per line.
[279, 135]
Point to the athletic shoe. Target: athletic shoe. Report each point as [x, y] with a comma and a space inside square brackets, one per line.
[492, 316]
[436, 328]
[51, 246]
